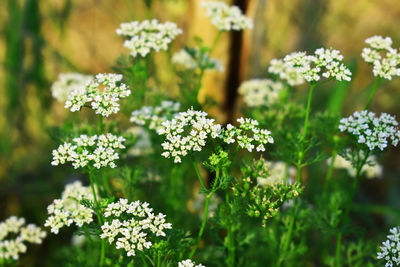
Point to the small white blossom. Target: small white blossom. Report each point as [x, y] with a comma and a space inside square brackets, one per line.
[390, 249]
[275, 172]
[148, 35]
[298, 67]
[260, 92]
[192, 59]
[248, 135]
[186, 132]
[68, 209]
[103, 93]
[189, 263]
[68, 82]
[155, 116]
[226, 18]
[384, 59]
[374, 132]
[371, 170]
[17, 233]
[132, 226]
[99, 151]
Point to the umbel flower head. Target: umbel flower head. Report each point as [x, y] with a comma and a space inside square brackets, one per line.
[260, 92]
[68, 82]
[192, 59]
[98, 151]
[374, 132]
[390, 249]
[155, 116]
[226, 18]
[187, 131]
[371, 170]
[17, 234]
[298, 67]
[103, 93]
[248, 135]
[132, 226]
[189, 263]
[68, 209]
[143, 37]
[380, 54]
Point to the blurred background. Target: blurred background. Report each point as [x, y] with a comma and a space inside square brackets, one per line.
[40, 39]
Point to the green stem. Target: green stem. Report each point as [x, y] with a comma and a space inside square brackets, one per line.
[349, 204]
[305, 127]
[331, 166]
[158, 260]
[230, 237]
[100, 125]
[205, 213]
[373, 90]
[289, 233]
[214, 44]
[194, 163]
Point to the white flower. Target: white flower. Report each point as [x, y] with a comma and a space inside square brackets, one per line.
[143, 145]
[247, 135]
[390, 249]
[384, 59]
[260, 92]
[148, 35]
[374, 132]
[186, 132]
[68, 209]
[189, 263]
[276, 172]
[191, 59]
[132, 226]
[226, 18]
[68, 82]
[371, 170]
[103, 93]
[99, 151]
[155, 116]
[298, 67]
[17, 233]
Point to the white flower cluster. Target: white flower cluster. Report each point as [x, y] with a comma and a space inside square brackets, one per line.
[97, 150]
[103, 92]
[143, 145]
[276, 173]
[187, 131]
[131, 225]
[248, 135]
[17, 232]
[384, 58]
[189, 263]
[390, 249]
[298, 67]
[260, 92]
[192, 59]
[68, 82]
[155, 116]
[68, 209]
[148, 35]
[371, 130]
[370, 170]
[226, 18]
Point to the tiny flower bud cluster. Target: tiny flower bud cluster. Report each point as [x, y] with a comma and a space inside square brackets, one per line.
[17, 232]
[155, 116]
[132, 225]
[298, 67]
[247, 135]
[99, 151]
[187, 131]
[371, 130]
[260, 92]
[68, 82]
[192, 59]
[189, 263]
[148, 35]
[384, 66]
[68, 209]
[371, 170]
[103, 92]
[226, 18]
[390, 249]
